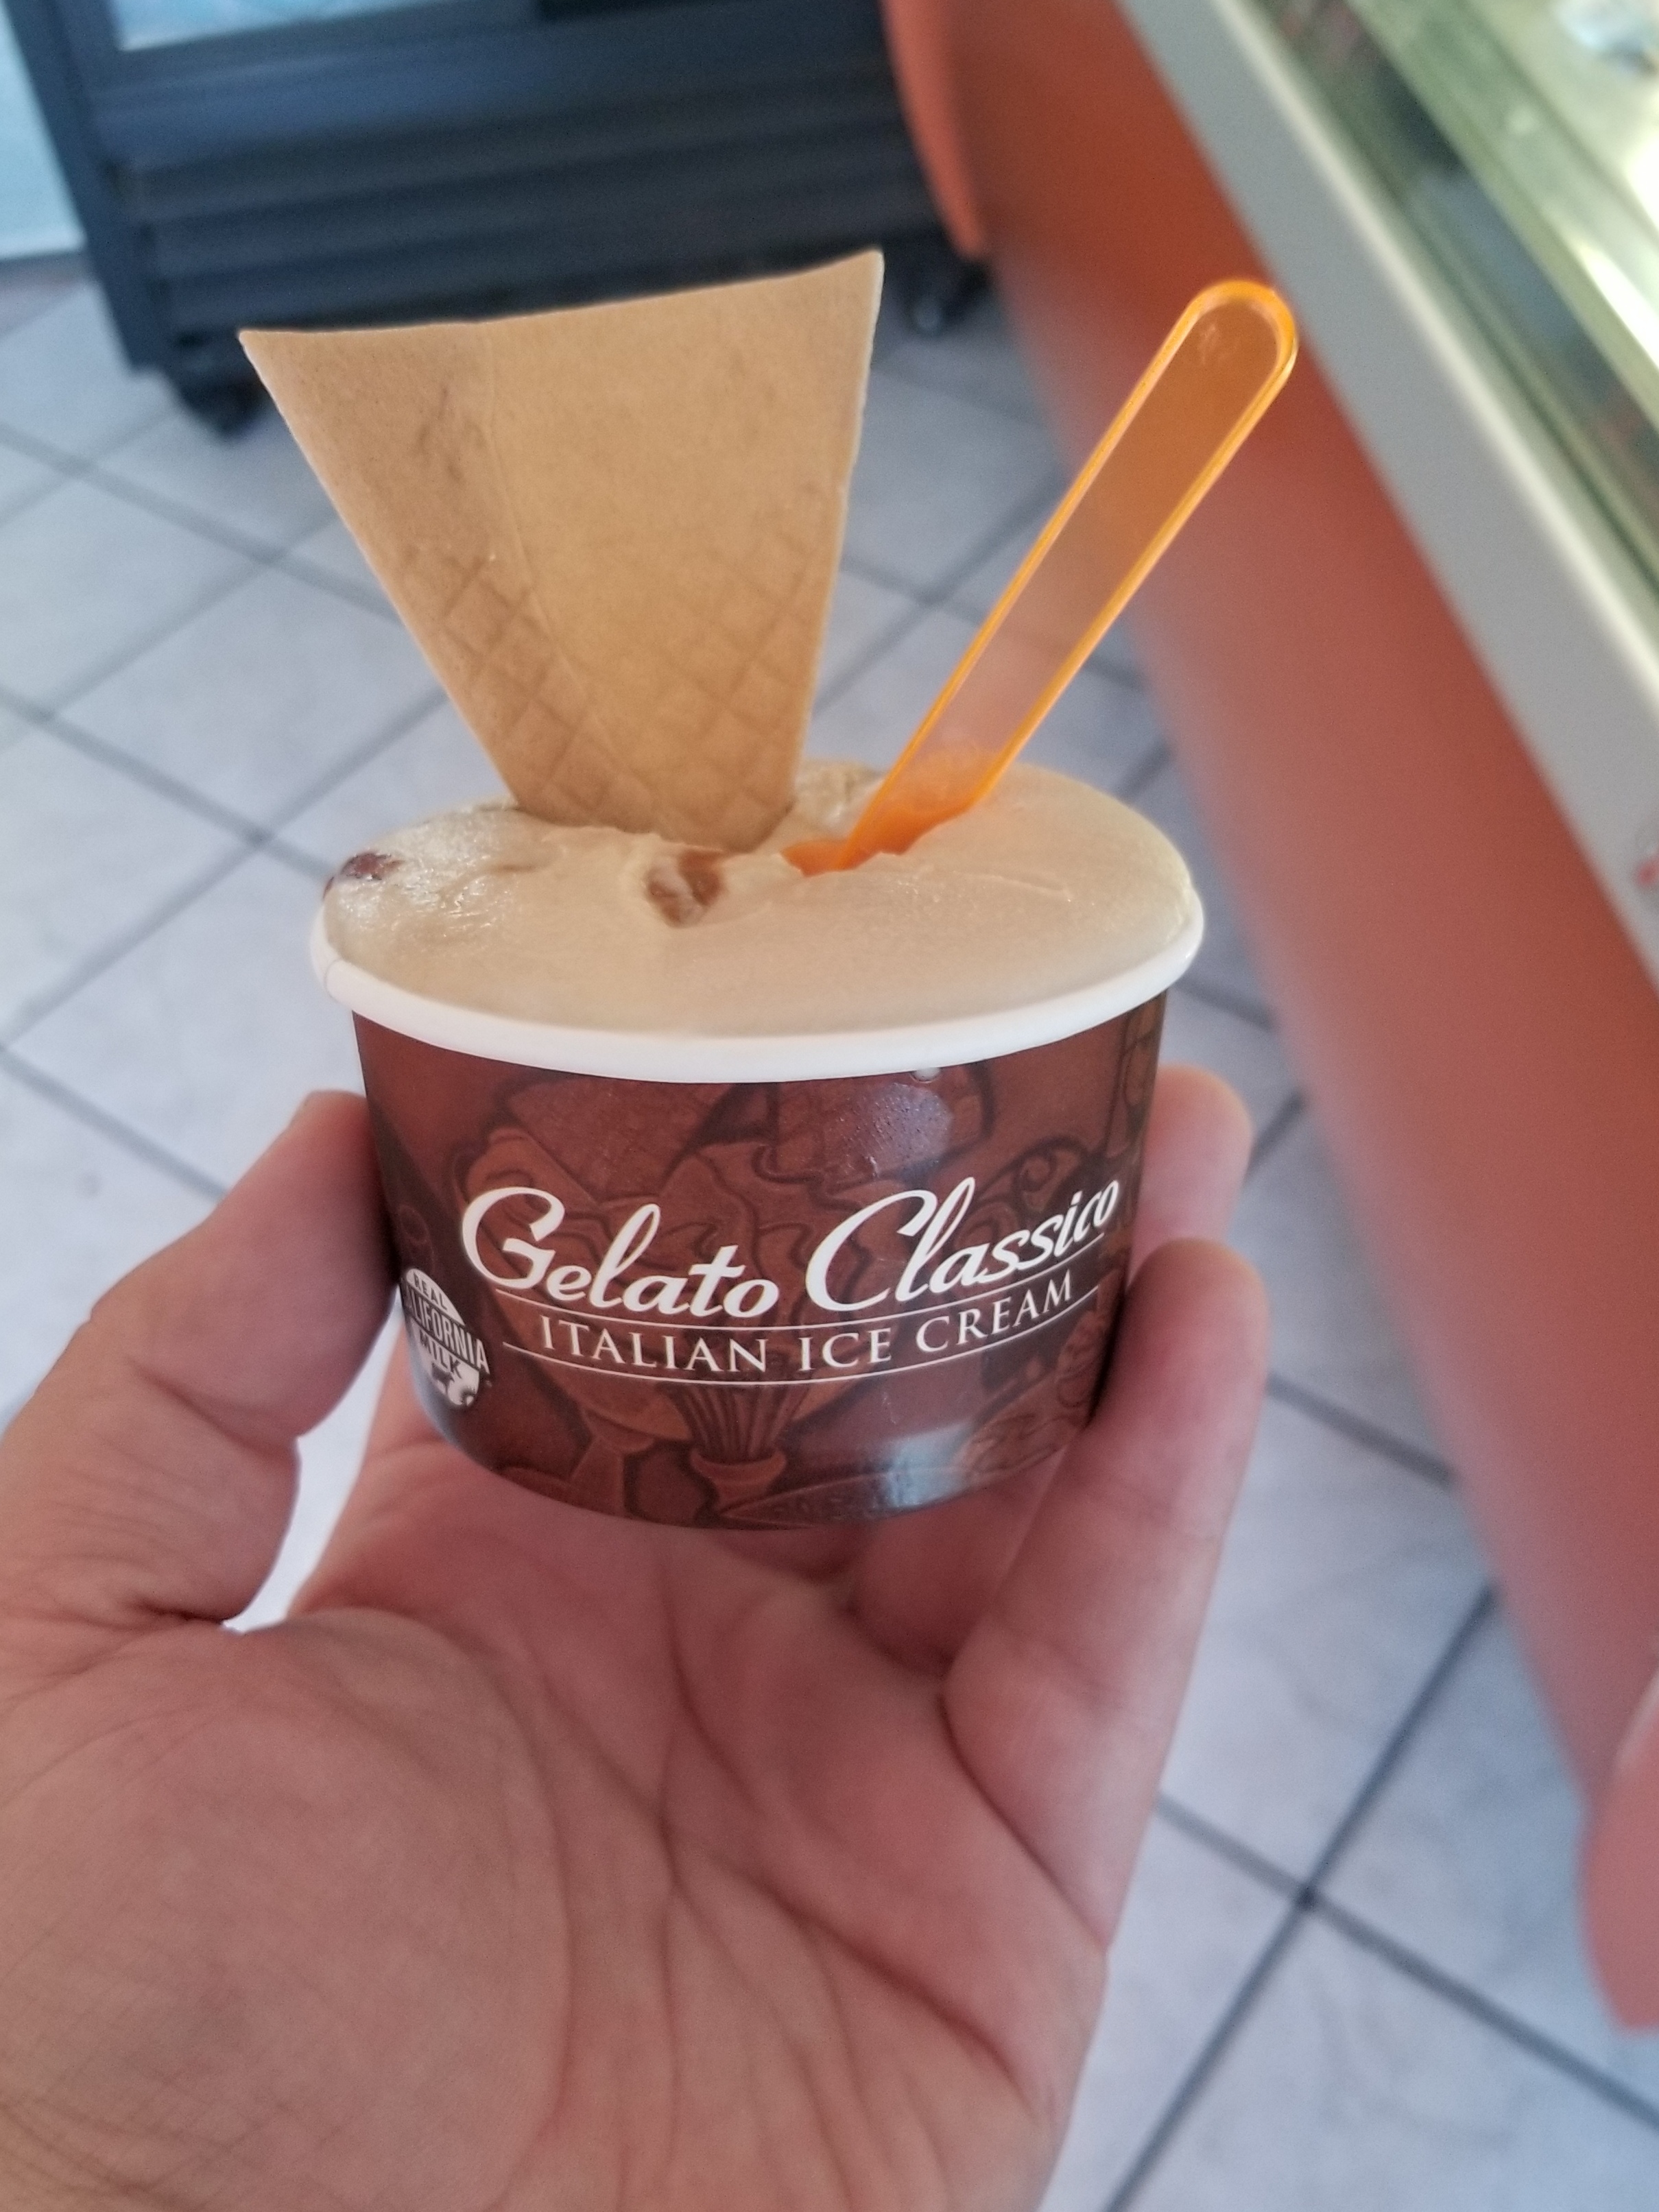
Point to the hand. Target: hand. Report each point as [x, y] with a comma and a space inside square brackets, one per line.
[543, 1861]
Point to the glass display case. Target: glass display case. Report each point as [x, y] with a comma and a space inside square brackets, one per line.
[1519, 139]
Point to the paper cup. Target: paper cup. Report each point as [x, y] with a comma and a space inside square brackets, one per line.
[760, 1281]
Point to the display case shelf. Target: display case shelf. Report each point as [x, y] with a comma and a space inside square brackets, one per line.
[1519, 141]
[1510, 431]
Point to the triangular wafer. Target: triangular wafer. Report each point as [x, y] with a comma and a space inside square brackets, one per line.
[613, 531]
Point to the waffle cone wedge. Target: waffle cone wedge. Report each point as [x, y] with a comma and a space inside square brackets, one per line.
[613, 531]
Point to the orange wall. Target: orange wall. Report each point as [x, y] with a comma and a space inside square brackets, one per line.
[1480, 1044]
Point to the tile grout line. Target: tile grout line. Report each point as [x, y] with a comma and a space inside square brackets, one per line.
[1031, 416]
[940, 599]
[1034, 510]
[1144, 773]
[259, 836]
[368, 597]
[1139, 773]
[1355, 1427]
[100, 671]
[36, 1011]
[155, 780]
[952, 579]
[60, 724]
[59, 457]
[1210, 2053]
[298, 861]
[254, 838]
[919, 608]
[1247, 1860]
[1298, 1911]
[70, 1102]
[188, 518]
[1404, 1959]
[1273, 1131]
[56, 285]
[872, 572]
[1427, 1695]
[399, 726]
[1359, 1430]
[290, 560]
[55, 481]
[1226, 1001]
[1359, 1931]
[862, 662]
[73, 468]
[95, 468]
[1483, 1609]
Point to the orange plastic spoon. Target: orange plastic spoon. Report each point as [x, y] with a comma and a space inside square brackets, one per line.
[1205, 389]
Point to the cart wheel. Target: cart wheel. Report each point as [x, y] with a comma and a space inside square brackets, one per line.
[936, 286]
[226, 407]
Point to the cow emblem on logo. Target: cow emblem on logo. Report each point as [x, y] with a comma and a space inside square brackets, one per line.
[454, 1360]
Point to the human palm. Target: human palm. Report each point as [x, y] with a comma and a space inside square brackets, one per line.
[546, 1861]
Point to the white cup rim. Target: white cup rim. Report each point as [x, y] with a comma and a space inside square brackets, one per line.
[657, 1056]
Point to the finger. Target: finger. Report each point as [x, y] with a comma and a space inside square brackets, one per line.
[1063, 1698]
[924, 1579]
[1198, 1146]
[152, 1475]
[409, 1471]
[400, 1419]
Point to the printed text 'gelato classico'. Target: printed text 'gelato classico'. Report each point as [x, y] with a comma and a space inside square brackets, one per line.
[835, 1282]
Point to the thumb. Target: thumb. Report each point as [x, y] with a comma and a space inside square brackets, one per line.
[152, 1475]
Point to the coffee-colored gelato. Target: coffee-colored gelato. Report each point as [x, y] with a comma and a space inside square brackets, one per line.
[1047, 886]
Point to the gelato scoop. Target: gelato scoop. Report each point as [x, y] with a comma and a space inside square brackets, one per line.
[1046, 887]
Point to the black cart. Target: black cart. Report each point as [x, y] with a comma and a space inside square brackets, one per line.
[460, 157]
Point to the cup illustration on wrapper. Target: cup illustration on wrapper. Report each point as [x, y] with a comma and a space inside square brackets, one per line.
[772, 1299]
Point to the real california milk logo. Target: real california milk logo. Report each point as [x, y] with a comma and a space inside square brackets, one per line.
[900, 1282]
[454, 1360]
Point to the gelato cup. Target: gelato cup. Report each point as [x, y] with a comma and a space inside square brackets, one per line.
[760, 1281]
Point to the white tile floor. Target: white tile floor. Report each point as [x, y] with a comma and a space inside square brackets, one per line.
[1349, 1974]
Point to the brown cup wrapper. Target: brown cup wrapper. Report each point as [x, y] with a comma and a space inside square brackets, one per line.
[763, 1304]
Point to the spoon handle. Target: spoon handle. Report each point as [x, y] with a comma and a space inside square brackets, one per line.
[1201, 395]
